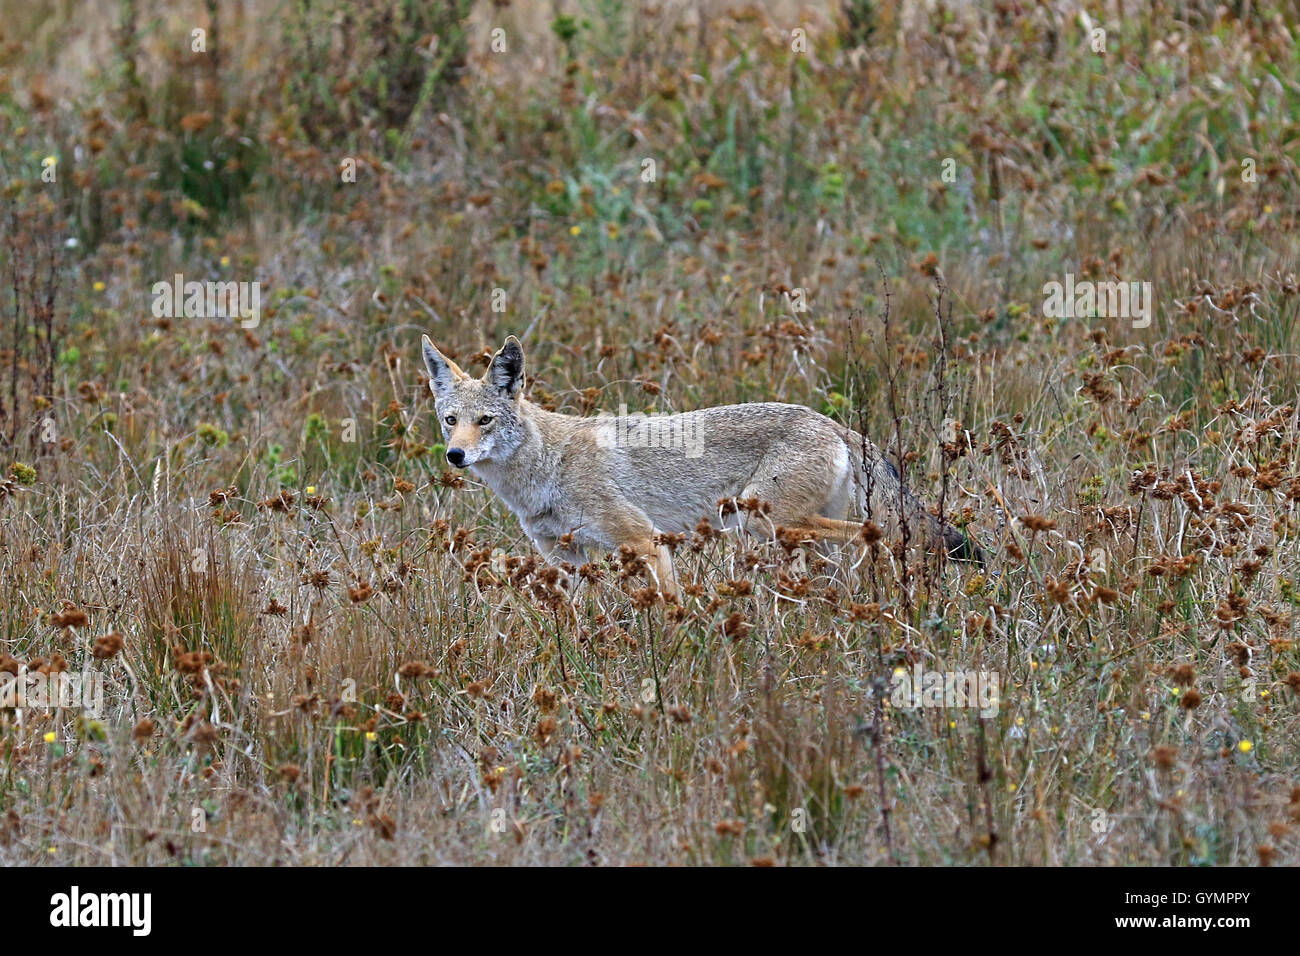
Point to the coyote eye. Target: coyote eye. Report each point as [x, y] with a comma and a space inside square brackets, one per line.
[485, 420]
[450, 420]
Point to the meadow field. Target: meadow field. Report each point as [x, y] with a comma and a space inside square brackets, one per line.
[225, 508]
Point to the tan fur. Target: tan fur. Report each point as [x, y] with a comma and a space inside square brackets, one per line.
[562, 475]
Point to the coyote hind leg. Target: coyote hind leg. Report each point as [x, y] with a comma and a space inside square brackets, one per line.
[824, 529]
[802, 501]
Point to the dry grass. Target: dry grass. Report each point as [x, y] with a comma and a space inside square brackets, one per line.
[334, 651]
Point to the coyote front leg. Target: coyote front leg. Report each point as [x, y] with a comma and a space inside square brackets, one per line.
[552, 552]
[629, 527]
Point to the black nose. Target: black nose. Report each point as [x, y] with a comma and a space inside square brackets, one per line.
[456, 456]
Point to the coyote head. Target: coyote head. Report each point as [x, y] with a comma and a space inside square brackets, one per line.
[479, 416]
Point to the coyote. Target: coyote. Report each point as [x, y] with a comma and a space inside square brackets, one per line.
[606, 482]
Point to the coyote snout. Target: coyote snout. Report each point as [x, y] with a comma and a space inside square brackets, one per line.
[607, 483]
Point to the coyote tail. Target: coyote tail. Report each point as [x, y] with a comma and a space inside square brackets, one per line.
[883, 500]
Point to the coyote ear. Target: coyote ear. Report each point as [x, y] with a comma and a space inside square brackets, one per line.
[507, 369]
[443, 372]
